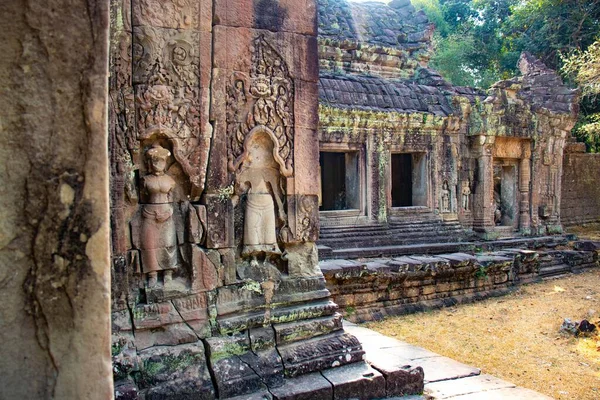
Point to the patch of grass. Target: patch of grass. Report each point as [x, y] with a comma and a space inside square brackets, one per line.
[517, 337]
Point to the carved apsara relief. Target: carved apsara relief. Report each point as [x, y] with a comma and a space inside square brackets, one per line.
[158, 234]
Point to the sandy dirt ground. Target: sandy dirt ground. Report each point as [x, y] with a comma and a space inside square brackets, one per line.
[517, 338]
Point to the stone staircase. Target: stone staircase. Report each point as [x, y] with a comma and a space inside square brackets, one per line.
[395, 233]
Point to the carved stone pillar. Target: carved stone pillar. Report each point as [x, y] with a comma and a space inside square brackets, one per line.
[524, 189]
[483, 210]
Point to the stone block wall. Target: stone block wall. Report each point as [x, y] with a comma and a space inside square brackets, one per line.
[580, 189]
[373, 289]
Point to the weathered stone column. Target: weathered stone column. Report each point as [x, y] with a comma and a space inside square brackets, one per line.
[54, 231]
[483, 211]
[524, 188]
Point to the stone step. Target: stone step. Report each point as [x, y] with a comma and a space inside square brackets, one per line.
[384, 227]
[434, 247]
[391, 239]
[554, 270]
[392, 230]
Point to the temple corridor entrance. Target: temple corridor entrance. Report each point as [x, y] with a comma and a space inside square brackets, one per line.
[340, 181]
[402, 180]
[506, 203]
[408, 179]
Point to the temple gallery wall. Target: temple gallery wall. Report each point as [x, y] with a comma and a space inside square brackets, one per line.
[177, 168]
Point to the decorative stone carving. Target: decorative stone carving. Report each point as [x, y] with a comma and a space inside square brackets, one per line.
[466, 195]
[307, 218]
[165, 56]
[303, 260]
[168, 111]
[158, 241]
[265, 98]
[179, 14]
[445, 197]
[260, 180]
[121, 60]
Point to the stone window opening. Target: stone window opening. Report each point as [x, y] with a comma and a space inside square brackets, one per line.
[408, 180]
[340, 181]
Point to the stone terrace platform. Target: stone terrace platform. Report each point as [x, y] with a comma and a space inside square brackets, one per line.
[445, 378]
[408, 279]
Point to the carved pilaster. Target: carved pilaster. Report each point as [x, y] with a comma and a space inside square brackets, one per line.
[524, 188]
[483, 201]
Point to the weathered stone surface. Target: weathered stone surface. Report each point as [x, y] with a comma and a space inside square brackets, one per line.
[356, 380]
[267, 364]
[480, 384]
[234, 377]
[517, 393]
[286, 15]
[305, 387]
[301, 330]
[54, 234]
[579, 189]
[175, 372]
[169, 335]
[444, 368]
[322, 352]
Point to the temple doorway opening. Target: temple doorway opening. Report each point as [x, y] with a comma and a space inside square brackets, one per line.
[340, 181]
[409, 179]
[505, 193]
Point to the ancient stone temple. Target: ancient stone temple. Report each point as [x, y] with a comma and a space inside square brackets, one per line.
[431, 194]
[236, 130]
[400, 146]
[216, 288]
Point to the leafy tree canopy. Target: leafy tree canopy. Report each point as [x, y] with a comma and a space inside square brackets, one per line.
[478, 42]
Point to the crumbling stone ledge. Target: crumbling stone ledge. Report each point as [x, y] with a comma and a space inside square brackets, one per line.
[371, 289]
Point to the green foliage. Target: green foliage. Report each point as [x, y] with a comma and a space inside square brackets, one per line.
[478, 42]
[583, 67]
[433, 10]
[481, 273]
[548, 27]
[453, 59]
[587, 130]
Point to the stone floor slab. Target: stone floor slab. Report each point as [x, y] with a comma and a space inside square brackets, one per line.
[470, 385]
[305, 387]
[373, 341]
[443, 368]
[260, 395]
[356, 381]
[516, 393]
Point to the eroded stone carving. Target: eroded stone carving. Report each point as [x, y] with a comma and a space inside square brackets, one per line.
[265, 98]
[181, 14]
[466, 195]
[158, 242]
[445, 197]
[170, 111]
[307, 218]
[260, 180]
[165, 56]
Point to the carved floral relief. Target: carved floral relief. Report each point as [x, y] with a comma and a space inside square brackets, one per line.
[179, 14]
[264, 98]
[165, 56]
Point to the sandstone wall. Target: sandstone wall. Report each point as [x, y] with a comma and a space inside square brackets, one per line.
[54, 265]
[580, 188]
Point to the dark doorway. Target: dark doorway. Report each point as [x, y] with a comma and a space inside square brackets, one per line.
[340, 181]
[402, 183]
